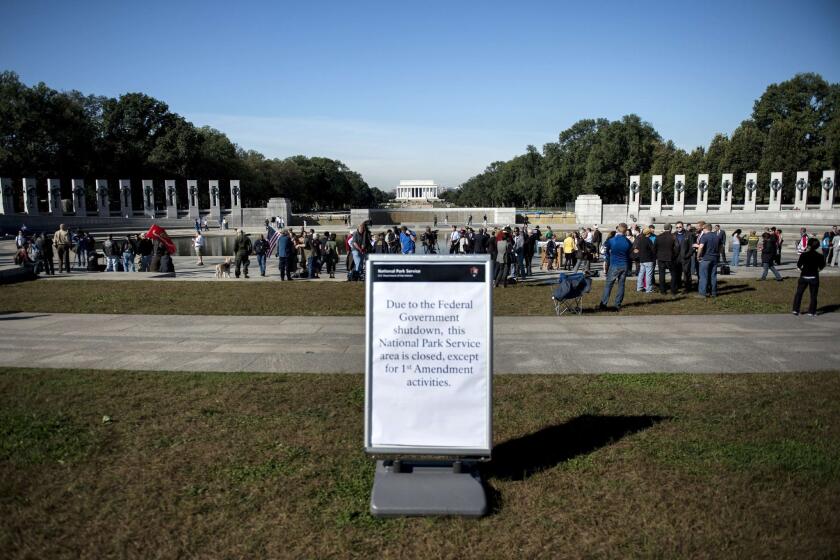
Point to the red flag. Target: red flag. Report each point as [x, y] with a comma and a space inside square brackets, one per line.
[157, 232]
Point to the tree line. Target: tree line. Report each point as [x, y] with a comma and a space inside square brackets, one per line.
[66, 134]
[794, 126]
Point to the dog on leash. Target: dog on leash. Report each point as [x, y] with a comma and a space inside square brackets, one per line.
[223, 269]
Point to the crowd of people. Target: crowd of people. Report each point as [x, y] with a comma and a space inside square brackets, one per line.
[682, 255]
[129, 253]
[700, 252]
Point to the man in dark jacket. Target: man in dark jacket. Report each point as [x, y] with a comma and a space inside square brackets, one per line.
[643, 251]
[768, 256]
[684, 254]
[664, 249]
[261, 249]
[284, 252]
[241, 249]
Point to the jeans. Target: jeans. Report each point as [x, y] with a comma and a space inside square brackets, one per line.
[646, 273]
[736, 255]
[128, 262]
[357, 265]
[145, 261]
[261, 263]
[520, 263]
[813, 285]
[769, 266]
[617, 273]
[110, 263]
[310, 267]
[752, 257]
[283, 265]
[708, 277]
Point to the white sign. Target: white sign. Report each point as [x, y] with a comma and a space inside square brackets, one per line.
[429, 355]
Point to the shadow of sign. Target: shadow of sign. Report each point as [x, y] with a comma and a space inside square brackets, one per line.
[519, 458]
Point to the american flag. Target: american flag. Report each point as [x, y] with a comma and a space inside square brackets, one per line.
[273, 236]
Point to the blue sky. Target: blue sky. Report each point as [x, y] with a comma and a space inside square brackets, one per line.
[436, 90]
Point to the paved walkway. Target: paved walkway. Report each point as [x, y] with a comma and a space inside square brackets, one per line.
[693, 344]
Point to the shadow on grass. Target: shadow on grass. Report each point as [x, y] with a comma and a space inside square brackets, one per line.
[519, 458]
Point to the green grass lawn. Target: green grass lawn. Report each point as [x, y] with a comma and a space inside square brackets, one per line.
[251, 465]
[342, 298]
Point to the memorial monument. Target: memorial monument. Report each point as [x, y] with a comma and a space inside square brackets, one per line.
[77, 187]
[126, 209]
[103, 199]
[171, 199]
[149, 198]
[54, 191]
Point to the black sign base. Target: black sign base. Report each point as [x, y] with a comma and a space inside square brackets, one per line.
[426, 488]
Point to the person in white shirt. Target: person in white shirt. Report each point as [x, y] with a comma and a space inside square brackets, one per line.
[198, 245]
[453, 240]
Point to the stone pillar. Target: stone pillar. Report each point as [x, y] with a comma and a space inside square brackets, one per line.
[126, 209]
[588, 209]
[775, 192]
[235, 195]
[54, 194]
[77, 191]
[750, 192]
[6, 196]
[679, 195]
[171, 198]
[801, 198]
[30, 196]
[215, 203]
[656, 195]
[634, 200]
[726, 186]
[149, 198]
[827, 190]
[702, 193]
[103, 200]
[192, 198]
[282, 208]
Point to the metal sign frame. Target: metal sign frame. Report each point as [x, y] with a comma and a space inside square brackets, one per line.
[428, 260]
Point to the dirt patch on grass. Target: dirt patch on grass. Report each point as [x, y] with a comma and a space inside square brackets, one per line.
[248, 465]
[344, 298]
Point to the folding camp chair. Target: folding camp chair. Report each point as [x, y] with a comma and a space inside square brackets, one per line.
[568, 293]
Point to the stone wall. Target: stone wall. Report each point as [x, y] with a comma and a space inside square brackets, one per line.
[426, 216]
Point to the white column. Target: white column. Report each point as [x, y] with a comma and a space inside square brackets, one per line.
[126, 209]
[30, 196]
[801, 199]
[215, 203]
[6, 196]
[171, 198]
[235, 195]
[192, 198]
[702, 193]
[776, 185]
[827, 190]
[635, 189]
[54, 196]
[103, 199]
[750, 192]
[656, 195]
[149, 198]
[77, 192]
[679, 195]
[726, 185]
